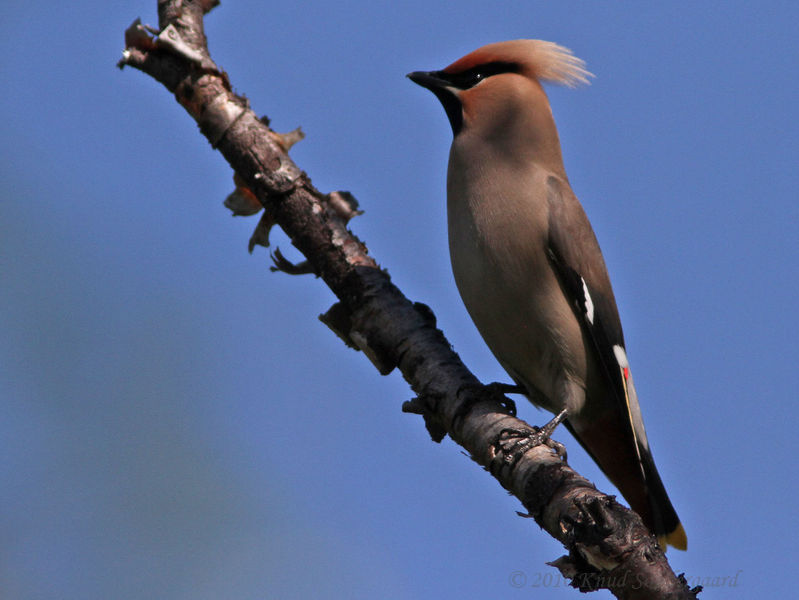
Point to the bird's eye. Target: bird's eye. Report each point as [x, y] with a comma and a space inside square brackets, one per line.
[471, 77]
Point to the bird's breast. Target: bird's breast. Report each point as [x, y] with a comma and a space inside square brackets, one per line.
[498, 220]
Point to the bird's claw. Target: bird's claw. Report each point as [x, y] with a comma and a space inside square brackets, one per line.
[514, 443]
[479, 393]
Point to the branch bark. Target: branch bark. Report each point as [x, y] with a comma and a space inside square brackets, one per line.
[608, 545]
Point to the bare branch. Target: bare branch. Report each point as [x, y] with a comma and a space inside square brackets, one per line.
[608, 545]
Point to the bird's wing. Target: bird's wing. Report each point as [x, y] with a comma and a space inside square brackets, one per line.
[576, 256]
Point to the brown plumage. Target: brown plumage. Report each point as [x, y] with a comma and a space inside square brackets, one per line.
[528, 265]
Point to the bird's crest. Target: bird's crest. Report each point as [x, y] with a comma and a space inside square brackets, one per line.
[545, 61]
[552, 62]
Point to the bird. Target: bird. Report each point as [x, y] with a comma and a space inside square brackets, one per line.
[528, 266]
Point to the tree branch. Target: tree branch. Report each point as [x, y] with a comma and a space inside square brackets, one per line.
[608, 545]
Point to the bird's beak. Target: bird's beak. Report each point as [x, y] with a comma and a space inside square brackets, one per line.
[431, 80]
[436, 82]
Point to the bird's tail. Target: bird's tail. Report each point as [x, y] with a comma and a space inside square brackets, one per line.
[665, 522]
[607, 439]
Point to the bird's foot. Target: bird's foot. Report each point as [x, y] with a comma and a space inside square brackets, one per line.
[513, 443]
[497, 387]
[479, 393]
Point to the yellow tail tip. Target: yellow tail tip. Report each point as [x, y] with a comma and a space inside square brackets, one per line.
[676, 538]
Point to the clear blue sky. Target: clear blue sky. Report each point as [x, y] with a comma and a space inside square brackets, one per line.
[176, 423]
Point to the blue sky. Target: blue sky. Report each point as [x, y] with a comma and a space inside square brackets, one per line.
[176, 423]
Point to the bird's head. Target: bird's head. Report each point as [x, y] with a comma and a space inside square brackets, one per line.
[495, 92]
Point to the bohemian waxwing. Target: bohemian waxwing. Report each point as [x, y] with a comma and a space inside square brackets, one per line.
[528, 266]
